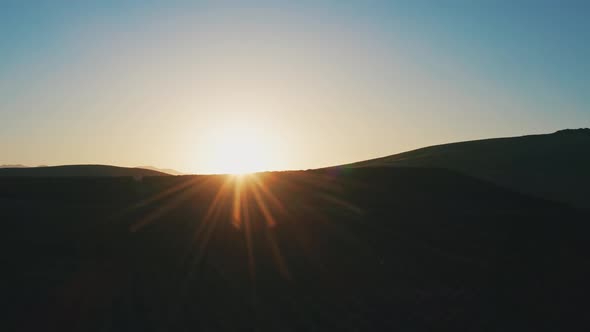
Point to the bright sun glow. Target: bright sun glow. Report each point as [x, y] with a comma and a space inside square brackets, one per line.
[238, 150]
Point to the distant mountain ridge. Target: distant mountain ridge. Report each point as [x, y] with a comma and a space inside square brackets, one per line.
[163, 170]
[78, 171]
[553, 166]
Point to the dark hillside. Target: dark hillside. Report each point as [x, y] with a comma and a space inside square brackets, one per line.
[554, 166]
[78, 171]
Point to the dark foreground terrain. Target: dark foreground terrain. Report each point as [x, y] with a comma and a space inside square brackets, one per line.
[365, 249]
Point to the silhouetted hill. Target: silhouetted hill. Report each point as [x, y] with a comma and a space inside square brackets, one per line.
[554, 166]
[163, 170]
[77, 171]
[357, 249]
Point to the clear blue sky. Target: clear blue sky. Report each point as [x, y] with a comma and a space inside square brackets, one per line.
[308, 83]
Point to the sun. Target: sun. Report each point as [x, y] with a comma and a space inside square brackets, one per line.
[241, 150]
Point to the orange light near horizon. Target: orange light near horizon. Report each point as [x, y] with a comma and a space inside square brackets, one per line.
[255, 205]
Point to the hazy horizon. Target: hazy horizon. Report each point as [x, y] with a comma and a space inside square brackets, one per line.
[176, 172]
[200, 87]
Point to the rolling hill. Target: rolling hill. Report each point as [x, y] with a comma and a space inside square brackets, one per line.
[78, 171]
[553, 166]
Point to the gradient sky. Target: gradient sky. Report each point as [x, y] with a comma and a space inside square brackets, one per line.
[157, 83]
